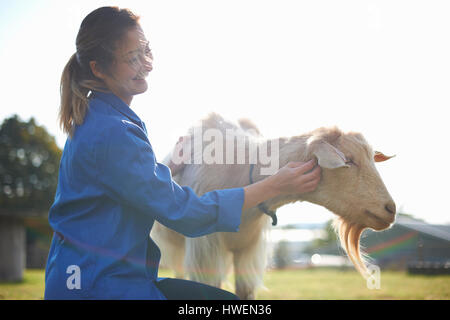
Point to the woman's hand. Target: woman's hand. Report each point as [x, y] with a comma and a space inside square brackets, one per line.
[293, 178]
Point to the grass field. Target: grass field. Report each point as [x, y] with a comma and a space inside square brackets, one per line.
[292, 285]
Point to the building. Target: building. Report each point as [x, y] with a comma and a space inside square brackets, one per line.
[408, 242]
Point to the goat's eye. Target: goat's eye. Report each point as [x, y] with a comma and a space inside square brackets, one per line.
[349, 162]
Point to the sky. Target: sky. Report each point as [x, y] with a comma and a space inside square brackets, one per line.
[381, 68]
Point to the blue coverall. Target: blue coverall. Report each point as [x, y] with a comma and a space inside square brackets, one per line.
[110, 191]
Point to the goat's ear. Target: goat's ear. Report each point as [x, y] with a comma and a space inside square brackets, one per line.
[380, 157]
[328, 156]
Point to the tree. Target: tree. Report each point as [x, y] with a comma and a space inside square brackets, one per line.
[29, 161]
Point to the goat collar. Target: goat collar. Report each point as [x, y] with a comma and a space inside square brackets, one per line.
[262, 206]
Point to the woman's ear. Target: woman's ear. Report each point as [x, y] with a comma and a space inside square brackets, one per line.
[96, 70]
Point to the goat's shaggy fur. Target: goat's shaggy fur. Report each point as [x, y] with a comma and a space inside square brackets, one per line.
[354, 192]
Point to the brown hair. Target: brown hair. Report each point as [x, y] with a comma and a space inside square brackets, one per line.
[96, 41]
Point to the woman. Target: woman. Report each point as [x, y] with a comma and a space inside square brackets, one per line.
[111, 189]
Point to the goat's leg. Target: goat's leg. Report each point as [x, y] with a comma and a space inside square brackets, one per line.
[249, 266]
[173, 257]
[204, 272]
[205, 260]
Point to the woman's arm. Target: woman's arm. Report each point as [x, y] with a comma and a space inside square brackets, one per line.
[129, 173]
[290, 179]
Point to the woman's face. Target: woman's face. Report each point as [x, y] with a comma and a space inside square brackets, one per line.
[133, 62]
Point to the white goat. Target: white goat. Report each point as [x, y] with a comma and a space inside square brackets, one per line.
[350, 187]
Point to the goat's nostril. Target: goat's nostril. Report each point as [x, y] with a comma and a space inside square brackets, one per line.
[390, 207]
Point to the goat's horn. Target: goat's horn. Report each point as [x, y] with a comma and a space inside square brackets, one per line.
[380, 157]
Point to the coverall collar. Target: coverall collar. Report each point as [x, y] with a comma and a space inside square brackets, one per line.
[119, 105]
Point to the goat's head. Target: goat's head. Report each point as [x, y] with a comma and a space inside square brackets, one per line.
[351, 187]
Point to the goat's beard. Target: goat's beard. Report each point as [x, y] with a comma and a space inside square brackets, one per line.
[349, 236]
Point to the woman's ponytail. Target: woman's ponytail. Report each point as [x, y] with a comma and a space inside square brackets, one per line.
[74, 97]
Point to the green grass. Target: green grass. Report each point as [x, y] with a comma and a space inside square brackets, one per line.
[336, 284]
[293, 284]
[30, 288]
